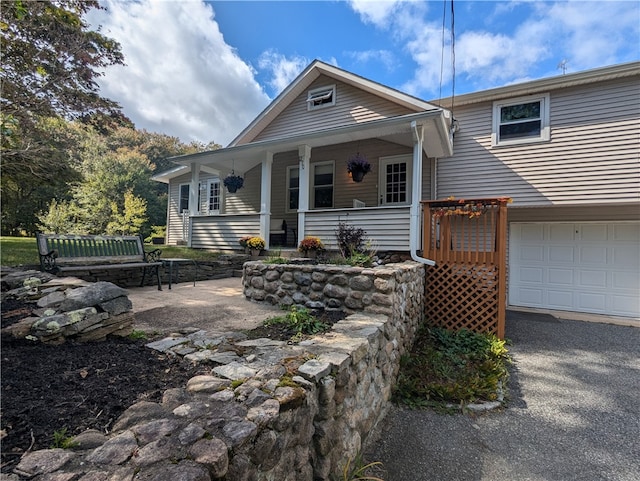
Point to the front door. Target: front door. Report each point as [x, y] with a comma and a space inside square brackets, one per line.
[395, 180]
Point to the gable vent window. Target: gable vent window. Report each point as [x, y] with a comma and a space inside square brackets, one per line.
[321, 97]
[521, 120]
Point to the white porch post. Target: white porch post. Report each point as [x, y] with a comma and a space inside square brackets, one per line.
[194, 190]
[304, 154]
[416, 195]
[265, 198]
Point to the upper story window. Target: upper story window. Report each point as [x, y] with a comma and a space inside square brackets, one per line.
[521, 120]
[321, 97]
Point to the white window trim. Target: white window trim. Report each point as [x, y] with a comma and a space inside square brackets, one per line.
[208, 195]
[313, 184]
[545, 129]
[287, 188]
[382, 181]
[180, 186]
[200, 187]
[319, 94]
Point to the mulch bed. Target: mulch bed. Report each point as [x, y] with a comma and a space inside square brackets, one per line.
[76, 386]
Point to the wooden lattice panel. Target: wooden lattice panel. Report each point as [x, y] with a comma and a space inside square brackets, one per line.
[462, 296]
[467, 240]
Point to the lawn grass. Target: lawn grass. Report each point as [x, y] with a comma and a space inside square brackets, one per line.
[452, 368]
[17, 251]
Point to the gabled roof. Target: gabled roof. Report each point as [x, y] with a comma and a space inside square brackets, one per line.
[533, 87]
[306, 78]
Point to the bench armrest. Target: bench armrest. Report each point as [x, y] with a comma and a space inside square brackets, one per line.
[48, 261]
[152, 256]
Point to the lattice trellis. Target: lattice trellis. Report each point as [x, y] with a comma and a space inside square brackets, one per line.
[466, 288]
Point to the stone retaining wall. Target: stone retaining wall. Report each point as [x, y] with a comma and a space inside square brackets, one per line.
[268, 410]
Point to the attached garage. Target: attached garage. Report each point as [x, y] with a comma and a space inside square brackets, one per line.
[591, 267]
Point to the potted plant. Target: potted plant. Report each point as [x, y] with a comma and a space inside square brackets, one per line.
[233, 182]
[255, 245]
[243, 242]
[358, 166]
[310, 246]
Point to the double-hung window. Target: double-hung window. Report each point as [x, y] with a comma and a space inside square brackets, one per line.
[322, 191]
[183, 202]
[293, 188]
[521, 120]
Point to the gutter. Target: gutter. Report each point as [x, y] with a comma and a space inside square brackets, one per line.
[414, 213]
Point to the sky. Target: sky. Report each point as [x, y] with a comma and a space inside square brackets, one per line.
[203, 70]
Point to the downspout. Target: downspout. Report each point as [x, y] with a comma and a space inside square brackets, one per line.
[414, 214]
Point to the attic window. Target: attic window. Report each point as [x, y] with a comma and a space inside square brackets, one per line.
[321, 97]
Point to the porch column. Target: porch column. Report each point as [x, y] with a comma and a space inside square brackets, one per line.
[304, 155]
[265, 198]
[416, 196]
[194, 191]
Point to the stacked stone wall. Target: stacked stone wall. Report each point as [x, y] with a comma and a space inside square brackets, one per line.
[269, 410]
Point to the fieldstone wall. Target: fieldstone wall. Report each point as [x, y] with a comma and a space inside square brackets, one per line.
[392, 289]
[268, 410]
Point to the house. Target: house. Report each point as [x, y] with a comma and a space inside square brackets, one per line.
[566, 149]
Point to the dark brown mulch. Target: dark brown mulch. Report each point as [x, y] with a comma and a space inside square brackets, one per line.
[77, 386]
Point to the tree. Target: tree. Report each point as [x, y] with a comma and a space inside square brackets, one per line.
[132, 217]
[50, 60]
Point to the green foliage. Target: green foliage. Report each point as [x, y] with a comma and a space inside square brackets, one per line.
[300, 320]
[157, 231]
[137, 335]
[62, 440]
[452, 367]
[132, 217]
[358, 471]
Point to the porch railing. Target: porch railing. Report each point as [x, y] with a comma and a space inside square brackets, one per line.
[386, 227]
[222, 231]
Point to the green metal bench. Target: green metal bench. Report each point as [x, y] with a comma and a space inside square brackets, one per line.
[75, 253]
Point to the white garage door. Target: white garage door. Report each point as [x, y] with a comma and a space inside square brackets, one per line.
[583, 267]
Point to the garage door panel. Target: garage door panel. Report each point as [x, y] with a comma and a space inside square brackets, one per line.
[592, 302]
[589, 278]
[594, 232]
[585, 267]
[562, 254]
[559, 299]
[532, 274]
[561, 232]
[561, 276]
[627, 233]
[626, 305]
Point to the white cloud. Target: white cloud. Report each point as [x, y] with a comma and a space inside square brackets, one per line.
[283, 70]
[181, 78]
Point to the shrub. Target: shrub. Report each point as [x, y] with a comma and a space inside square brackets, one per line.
[350, 239]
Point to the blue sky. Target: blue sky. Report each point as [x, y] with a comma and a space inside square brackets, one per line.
[203, 70]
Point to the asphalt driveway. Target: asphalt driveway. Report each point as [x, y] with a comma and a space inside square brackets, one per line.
[573, 414]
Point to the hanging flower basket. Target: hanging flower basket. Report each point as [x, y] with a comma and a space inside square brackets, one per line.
[233, 182]
[358, 166]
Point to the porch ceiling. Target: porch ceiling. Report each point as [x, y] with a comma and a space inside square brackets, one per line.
[437, 141]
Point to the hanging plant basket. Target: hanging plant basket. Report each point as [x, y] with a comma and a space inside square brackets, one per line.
[233, 182]
[358, 166]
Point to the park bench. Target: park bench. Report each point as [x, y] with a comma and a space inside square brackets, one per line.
[75, 253]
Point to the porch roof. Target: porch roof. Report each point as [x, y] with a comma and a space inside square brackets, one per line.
[437, 141]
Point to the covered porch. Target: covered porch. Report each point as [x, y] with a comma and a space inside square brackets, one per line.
[302, 180]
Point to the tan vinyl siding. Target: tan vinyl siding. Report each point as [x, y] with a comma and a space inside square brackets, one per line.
[593, 155]
[222, 232]
[386, 227]
[352, 106]
[608, 213]
[247, 199]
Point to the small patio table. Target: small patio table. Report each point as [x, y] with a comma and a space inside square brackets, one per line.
[177, 261]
